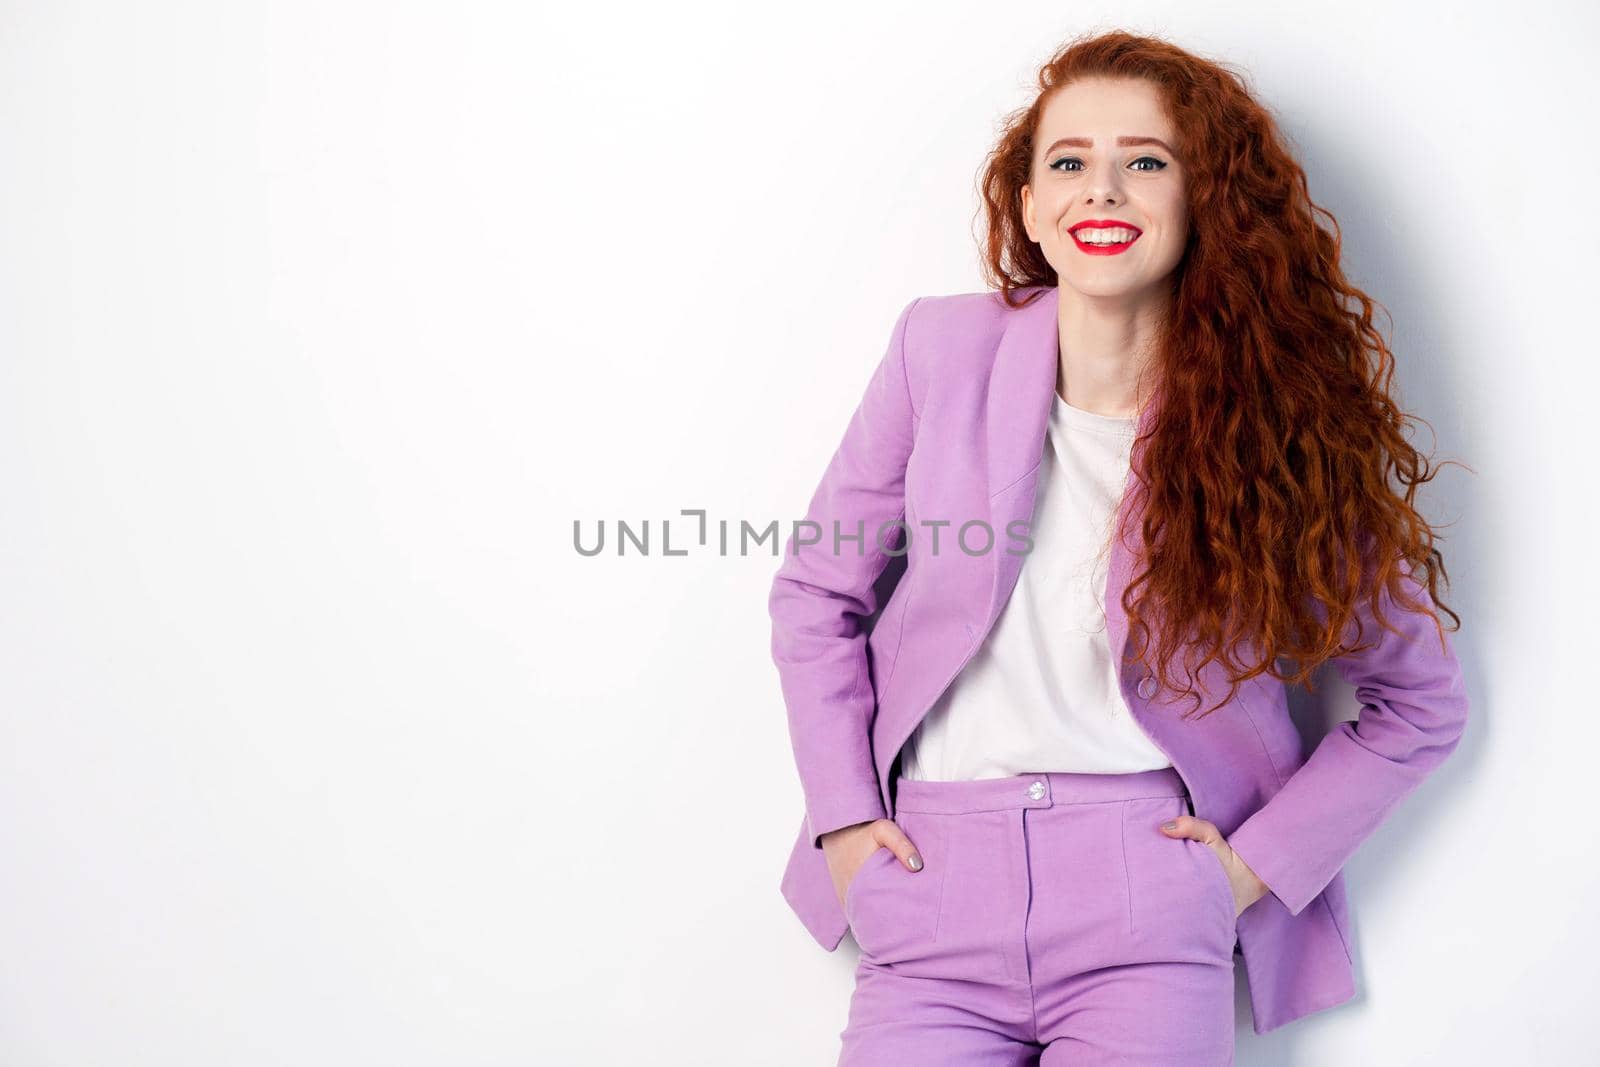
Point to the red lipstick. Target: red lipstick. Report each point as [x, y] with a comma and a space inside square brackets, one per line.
[1102, 224]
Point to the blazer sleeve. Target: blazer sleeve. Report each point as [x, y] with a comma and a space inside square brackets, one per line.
[1413, 712]
[824, 590]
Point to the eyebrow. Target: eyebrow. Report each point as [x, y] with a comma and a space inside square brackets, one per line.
[1088, 142]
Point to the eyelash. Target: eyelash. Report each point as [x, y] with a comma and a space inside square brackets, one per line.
[1160, 164]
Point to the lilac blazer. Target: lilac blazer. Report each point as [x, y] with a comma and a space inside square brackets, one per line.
[952, 427]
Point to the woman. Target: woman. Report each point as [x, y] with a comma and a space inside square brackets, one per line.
[1126, 485]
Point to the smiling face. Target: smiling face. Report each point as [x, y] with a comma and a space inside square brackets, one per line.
[1101, 156]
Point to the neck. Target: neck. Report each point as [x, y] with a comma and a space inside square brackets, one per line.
[1104, 344]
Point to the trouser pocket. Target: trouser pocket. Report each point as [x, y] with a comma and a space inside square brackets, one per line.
[1177, 887]
[893, 911]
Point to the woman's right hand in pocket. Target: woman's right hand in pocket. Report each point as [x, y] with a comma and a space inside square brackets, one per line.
[849, 847]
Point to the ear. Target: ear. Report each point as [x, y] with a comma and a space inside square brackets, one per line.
[1027, 214]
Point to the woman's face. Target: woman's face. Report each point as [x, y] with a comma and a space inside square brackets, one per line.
[1101, 155]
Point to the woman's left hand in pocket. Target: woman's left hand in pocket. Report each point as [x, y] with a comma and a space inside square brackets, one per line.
[1247, 888]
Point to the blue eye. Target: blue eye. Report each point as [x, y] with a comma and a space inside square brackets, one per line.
[1159, 164]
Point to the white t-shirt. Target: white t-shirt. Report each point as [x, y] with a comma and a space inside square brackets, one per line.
[1041, 694]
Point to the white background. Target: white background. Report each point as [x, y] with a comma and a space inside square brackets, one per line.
[320, 324]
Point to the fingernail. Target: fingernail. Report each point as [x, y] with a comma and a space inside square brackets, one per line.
[915, 861]
[1170, 824]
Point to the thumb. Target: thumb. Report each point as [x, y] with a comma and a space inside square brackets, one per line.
[893, 838]
[1188, 826]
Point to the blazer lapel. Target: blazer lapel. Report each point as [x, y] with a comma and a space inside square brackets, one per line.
[1022, 387]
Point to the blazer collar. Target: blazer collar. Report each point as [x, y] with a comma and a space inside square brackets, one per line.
[1022, 386]
[1022, 389]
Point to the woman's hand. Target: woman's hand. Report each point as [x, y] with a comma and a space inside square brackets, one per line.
[848, 847]
[1247, 888]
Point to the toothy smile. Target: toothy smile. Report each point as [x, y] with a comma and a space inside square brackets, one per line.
[1104, 236]
[1116, 235]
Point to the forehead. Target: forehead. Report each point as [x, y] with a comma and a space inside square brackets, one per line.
[1104, 109]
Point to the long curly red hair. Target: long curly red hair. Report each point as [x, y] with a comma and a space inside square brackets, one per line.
[1263, 481]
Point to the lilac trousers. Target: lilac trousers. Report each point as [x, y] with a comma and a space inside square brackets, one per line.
[1051, 923]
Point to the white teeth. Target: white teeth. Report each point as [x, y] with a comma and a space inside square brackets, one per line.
[1109, 235]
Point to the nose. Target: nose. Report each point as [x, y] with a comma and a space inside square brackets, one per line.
[1105, 187]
